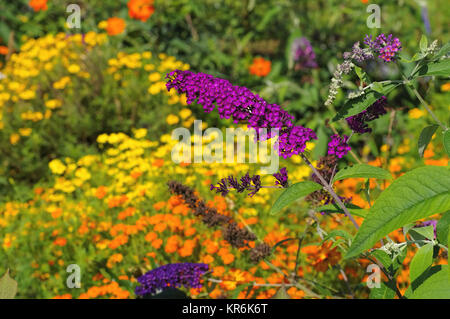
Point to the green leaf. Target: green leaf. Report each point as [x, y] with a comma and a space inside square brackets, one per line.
[336, 209]
[434, 284]
[8, 287]
[337, 233]
[425, 138]
[360, 103]
[386, 291]
[417, 194]
[382, 257]
[422, 233]
[439, 68]
[421, 262]
[442, 228]
[423, 43]
[362, 170]
[447, 142]
[293, 193]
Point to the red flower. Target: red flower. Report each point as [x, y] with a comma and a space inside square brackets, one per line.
[260, 67]
[38, 5]
[140, 9]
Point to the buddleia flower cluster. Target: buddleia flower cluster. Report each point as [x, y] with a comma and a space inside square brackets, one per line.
[303, 54]
[338, 146]
[186, 275]
[384, 46]
[243, 106]
[358, 122]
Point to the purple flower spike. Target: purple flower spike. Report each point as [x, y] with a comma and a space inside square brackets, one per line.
[338, 146]
[171, 275]
[282, 178]
[303, 54]
[242, 105]
[386, 46]
[358, 122]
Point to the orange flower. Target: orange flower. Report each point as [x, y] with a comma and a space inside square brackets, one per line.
[159, 205]
[228, 259]
[260, 67]
[60, 241]
[56, 213]
[157, 243]
[140, 9]
[151, 236]
[100, 192]
[115, 26]
[65, 296]
[38, 5]
[3, 50]
[158, 162]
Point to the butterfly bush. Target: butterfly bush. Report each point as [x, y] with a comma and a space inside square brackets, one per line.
[171, 275]
[385, 46]
[358, 122]
[303, 54]
[338, 146]
[240, 104]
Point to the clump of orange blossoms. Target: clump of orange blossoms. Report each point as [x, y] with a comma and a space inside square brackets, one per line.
[115, 26]
[38, 5]
[260, 67]
[140, 9]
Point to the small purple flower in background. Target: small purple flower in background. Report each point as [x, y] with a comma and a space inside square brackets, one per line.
[303, 54]
[282, 178]
[242, 105]
[386, 46]
[432, 222]
[358, 122]
[338, 146]
[171, 275]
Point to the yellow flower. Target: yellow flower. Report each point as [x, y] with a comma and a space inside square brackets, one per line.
[73, 68]
[185, 113]
[140, 133]
[27, 95]
[416, 113]
[172, 119]
[25, 131]
[153, 77]
[102, 24]
[53, 104]
[14, 138]
[57, 167]
[102, 138]
[154, 89]
[83, 174]
[147, 55]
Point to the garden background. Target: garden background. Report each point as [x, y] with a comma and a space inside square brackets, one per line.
[85, 139]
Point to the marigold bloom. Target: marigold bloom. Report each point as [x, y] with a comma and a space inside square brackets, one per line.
[260, 67]
[115, 26]
[140, 9]
[3, 50]
[38, 5]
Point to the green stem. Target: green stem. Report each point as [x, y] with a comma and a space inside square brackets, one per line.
[330, 190]
[427, 107]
